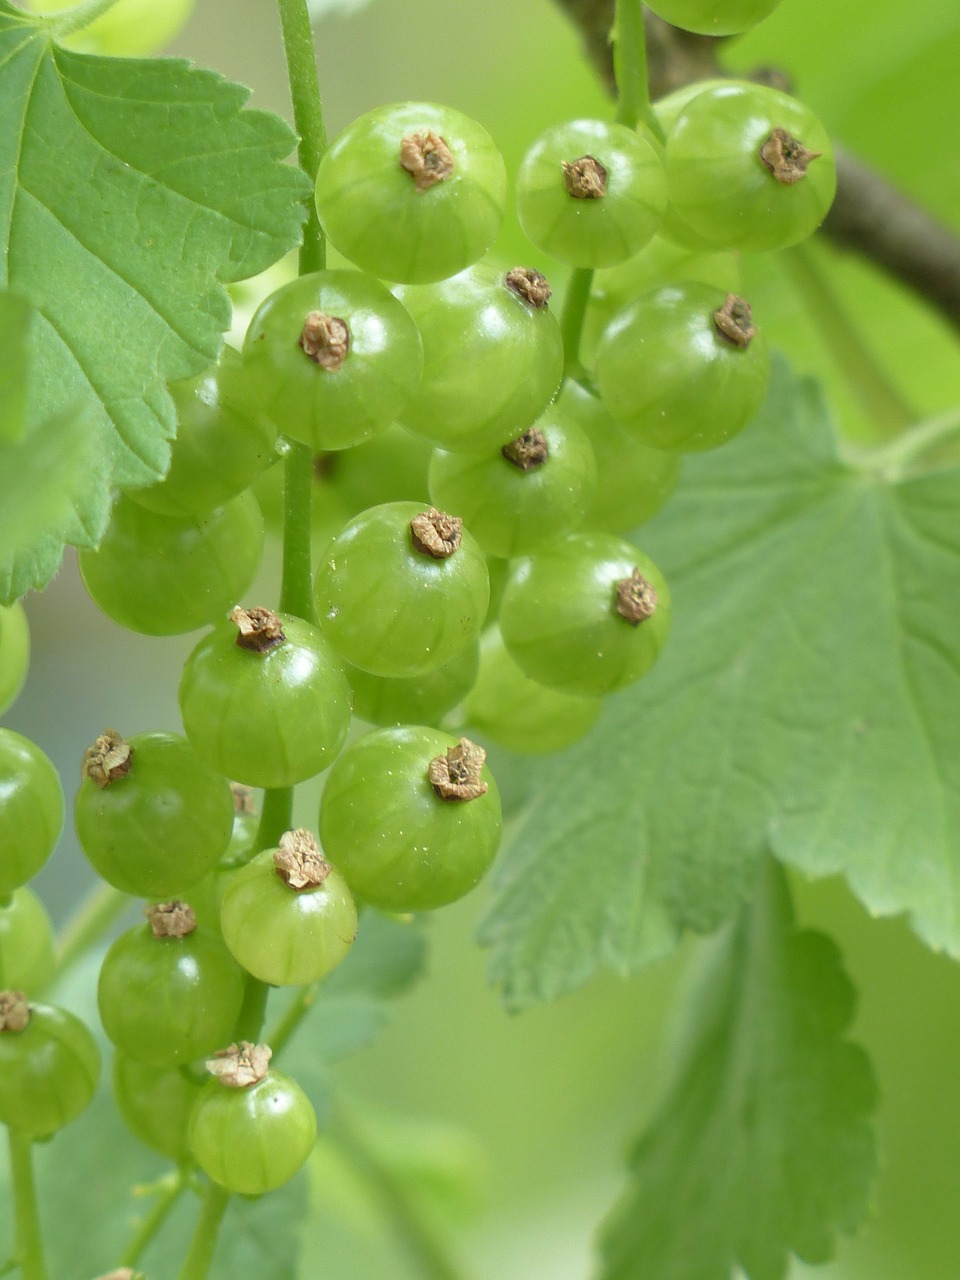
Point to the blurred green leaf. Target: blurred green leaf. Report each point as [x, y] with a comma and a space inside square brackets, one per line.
[762, 1145]
[325, 8]
[808, 699]
[131, 191]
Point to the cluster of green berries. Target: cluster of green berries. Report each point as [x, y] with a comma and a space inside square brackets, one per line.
[478, 584]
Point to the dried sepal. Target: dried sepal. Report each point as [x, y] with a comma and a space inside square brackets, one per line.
[585, 179]
[108, 759]
[636, 598]
[532, 286]
[427, 158]
[528, 451]
[299, 862]
[436, 534]
[786, 157]
[173, 919]
[326, 340]
[456, 775]
[734, 320]
[242, 798]
[240, 1065]
[14, 1011]
[258, 629]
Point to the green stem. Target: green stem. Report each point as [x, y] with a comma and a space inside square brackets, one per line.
[294, 1015]
[252, 1011]
[308, 118]
[26, 1216]
[89, 923]
[425, 1250]
[296, 592]
[196, 1266]
[65, 24]
[630, 69]
[276, 817]
[929, 444]
[572, 317]
[173, 1188]
[877, 395]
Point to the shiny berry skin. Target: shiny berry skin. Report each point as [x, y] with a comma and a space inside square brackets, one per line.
[560, 621]
[14, 653]
[333, 358]
[714, 17]
[156, 1104]
[413, 192]
[515, 499]
[723, 190]
[166, 575]
[516, 712]
[400, 846]
[392, 467]
[266, 719]
[492, 361]
[27, 943]
[389, 606]
[666, 372]
[223, 442]
[591, 193]
[31, 810]
[252, 1140]
[168, 1001]
[48, 1072]
[285, 936]
[161, 827]
[422, 699]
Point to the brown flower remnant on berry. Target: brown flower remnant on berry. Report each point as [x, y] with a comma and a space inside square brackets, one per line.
[786, 157]
[258, 629]
[636, 599]
[436, 534]
[14, 1011]
[456, 775]
[242, 798]
[529, 285]
[240, 1065]
[171, 919]
[108, 759]
[326, 340]
[427, 158]
[585, 179]
[735, 321]
[298, 861]
[528, 451]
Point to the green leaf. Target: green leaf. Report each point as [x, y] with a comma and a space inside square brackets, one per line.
[762, 1145]
[808, 700]
[131, 191]
[54, 470]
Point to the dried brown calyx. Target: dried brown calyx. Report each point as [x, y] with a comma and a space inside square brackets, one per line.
[456, 775]
[786, 157]
[240, 1065]
[258, 629]
[436, 534]
[326, 340]
[585, 179]
[108, 759]
[242, 798]
[299, 862]
[427, 158]
[14, 1011]
[636, 598]
[735, 321]
[530, 285]
[171, 919]
[528, 451]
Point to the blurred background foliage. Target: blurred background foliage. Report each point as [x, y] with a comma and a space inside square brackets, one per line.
[526, 1119]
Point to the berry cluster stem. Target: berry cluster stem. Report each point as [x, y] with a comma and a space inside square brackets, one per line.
[26, 1216]
[572, 317]
[168, 1193]
[196, 1266]
[307, 116]
[630, 68]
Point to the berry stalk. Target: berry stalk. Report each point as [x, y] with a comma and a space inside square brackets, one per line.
[572, 318]
[630, 68]
[170, 1189]
[196, 1266]
[26, 1216]
[308, 118]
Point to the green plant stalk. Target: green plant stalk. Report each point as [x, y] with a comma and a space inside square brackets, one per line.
[90, 922]
[252, 1011]
[305, 1000]
[65, 24]
[426, 1251]
[630, 68]
[296, 593]
[877, 395]
[928, 445]
[25, 1214]
[276, 817]
[308, 118]
[572, 317]
[196, 1265]
[173, 1189]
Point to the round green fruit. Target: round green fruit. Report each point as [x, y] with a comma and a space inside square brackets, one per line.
[27, 943]
[31, 810]
[156, 1104]
[49, 1067]
[422, 699]
[713, 17]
